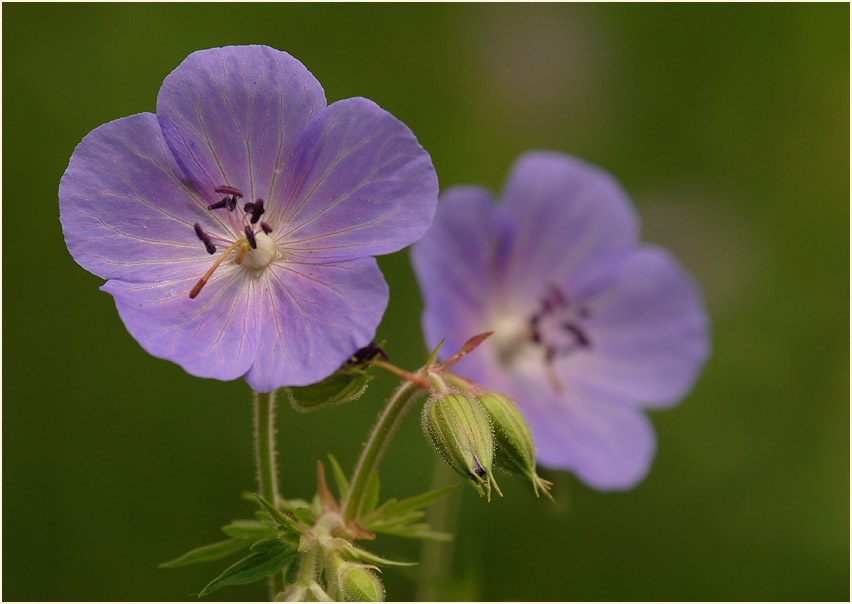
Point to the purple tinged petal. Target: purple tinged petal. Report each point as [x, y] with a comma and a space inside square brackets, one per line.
[125, 212]
[359, 184]
[610, 446]
[314, 317]
[648, 326]
[232, 116]
[212, 336]
[565, 212]
[455, 265]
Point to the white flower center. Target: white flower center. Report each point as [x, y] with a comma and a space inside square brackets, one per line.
[261, 256]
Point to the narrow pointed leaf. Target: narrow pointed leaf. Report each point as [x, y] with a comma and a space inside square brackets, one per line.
[284, 522]
[267, 560]
[339, 478]
[248, 529]
[214, 551]
[416, 531]
[369, 557]
[418, 501]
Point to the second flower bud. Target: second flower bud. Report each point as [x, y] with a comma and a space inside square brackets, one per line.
[460, 430]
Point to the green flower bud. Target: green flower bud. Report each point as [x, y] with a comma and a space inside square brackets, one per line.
[361, 585]
[459, 428]
[515, 449]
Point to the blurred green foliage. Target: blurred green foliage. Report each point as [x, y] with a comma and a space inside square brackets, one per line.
[729, 125]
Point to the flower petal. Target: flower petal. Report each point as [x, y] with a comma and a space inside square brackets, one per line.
[211, 336]
[314, 317]
[455, 265]
[565, 211]
[125, 212]
[232, 116]
[359, 185]
[648, 329]
[608, 445]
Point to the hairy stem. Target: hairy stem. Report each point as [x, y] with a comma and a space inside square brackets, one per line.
[397, 405]
[265, 462]
[264, 445]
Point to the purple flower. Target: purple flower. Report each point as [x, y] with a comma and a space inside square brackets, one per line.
[590, 327]
[236, 227]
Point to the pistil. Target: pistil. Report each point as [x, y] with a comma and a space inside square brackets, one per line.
[240, 255]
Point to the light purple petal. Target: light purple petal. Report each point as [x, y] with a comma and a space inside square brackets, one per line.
[607, 444]
[565, 212]
[212, 336]
[232, 116]
[314, 317]
[359, 184]
[648, 329]
[125, 212]
[455, 263]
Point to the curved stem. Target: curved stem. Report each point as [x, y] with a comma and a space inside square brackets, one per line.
[397, 405]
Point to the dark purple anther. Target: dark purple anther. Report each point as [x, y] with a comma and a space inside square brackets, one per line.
[368, 353]
[578, 334]
[232, 203]
[256, 210]
[219, 204]
[250, 236]
[266, 228]
[233, 191]
[205, 239]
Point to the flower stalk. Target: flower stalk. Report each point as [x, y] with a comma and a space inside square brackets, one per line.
[265, 460]
[380, 436]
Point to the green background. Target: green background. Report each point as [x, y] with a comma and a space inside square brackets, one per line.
[728, 124]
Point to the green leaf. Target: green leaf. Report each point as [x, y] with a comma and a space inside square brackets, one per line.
[266, 560]
[339, 478]
[369, 557]
[248, 529]
[284, 522]
[392, 508]
[371, 495]
[415, 531]
[214, 551]
[344, 385]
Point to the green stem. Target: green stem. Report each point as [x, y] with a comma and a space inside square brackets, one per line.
[436, 558]
[264, 455]
[397, 405]
[264, 441]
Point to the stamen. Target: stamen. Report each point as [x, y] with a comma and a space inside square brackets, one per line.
[203, 281]
[256, 210]
[219, 204]
[205, 239]
[575, 331]
[266, 228]
[233, 191]
[250, 236]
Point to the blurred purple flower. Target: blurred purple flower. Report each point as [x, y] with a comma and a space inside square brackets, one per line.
[236, 227]
[590, 327]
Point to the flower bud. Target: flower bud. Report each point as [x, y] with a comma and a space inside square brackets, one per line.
[361, 585]
[459, 428]
[515, 449]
